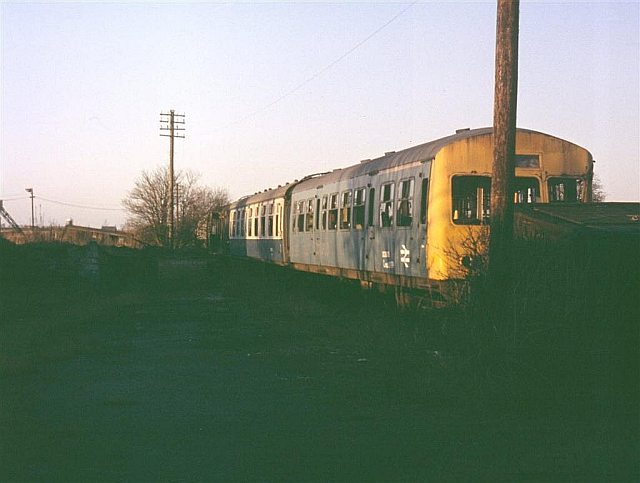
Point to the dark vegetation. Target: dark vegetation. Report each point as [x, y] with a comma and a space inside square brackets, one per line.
[334, 383]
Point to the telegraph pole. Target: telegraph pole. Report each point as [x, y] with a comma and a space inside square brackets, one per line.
[504, 120]
[178, 209]
[173, 123]
[503, 170]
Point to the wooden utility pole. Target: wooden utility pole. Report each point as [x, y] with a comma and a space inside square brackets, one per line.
[498, 314]
[173, 123]
[504, 138]
[178, 209]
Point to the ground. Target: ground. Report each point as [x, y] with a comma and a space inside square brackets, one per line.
[221, 372]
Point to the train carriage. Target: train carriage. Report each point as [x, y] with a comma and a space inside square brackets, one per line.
[397, 219]
[254, 226]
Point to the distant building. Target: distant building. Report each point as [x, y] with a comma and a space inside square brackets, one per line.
[76, 235]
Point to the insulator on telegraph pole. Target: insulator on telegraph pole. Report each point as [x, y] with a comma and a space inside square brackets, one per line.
[174, 124]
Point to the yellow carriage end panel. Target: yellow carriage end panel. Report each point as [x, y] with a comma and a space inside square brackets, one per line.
[445, 240]
[448, 242]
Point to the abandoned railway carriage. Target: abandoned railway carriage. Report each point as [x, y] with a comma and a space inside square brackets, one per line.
[398, 219]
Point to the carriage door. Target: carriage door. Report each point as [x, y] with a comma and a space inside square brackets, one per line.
[316, 258]
[369, 242]
[360, 226]
[380, 238]
[421, 218]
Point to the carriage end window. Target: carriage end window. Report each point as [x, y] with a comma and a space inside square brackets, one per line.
[526, 190]
[471, 200]
[527, 161]
[568, 190]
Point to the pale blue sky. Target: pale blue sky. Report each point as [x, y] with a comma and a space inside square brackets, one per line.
[83, 85]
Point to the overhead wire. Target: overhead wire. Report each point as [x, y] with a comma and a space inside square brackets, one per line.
[319, 72]
[14, 197]
[76, 205]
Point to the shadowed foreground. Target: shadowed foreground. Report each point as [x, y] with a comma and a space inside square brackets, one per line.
[216, 371]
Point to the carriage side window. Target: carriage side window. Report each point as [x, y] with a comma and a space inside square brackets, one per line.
[345, 210]
[526, 190]
[263, 220]
[299, 217]
[471, 200]
[232, 224]
[256, 219]
[277, 218]
[333, 211]
[386, 205]
[317, 213]
[270, 219]
[372, 198]
[424, 200]
[566, 189]
[309, 226]
[358, 208]
[405, 203]
[250, 222]
[324, 212]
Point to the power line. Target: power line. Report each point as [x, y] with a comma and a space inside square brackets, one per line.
[65, 203]
[320, 72]
[76, 205]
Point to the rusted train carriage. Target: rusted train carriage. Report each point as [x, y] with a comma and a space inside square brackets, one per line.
[395, 220]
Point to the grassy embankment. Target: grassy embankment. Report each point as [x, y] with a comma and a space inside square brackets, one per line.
[51, 295]
[573, 334]
[575, 307]
[568, 350]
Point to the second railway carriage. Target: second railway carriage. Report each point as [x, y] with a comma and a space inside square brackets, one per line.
[254, 226]
[397, 220]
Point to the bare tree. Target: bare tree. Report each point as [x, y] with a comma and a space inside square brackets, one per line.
[195, 205]
[598, 194]
[148, 206]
